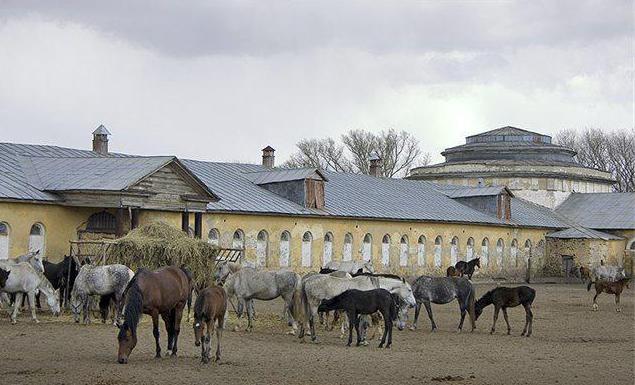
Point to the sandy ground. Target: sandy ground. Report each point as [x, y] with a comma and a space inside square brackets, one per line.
[571, 344]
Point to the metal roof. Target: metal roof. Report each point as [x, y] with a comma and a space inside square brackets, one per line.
[284, 175]
[101, 130]
[509, 131]
[603, 211]
[580, 232]
[477, 192]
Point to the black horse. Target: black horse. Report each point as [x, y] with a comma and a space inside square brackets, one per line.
[467, 268]
[356, 302]
[504, 297]
[4, 275]
[62, 276]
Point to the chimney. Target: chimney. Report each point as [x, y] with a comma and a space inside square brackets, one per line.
[376, 164]
[268, 157]
[100, 140]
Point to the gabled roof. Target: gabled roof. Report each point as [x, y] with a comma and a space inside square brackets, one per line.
[101, 130]
[580, 232]
[284, 175]
[478, 192]
[603, 211]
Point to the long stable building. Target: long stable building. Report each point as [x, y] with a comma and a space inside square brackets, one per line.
[299, 218]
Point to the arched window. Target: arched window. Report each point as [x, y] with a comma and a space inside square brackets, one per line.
[454, 251]
[328, 248]
[102, 222]
[262, 248]
[37, 238]
[213, 236]
[527, 249]
[367, 248]
[4, 240]
[485, 252]
[421, 251]
[403, 251]
[285, 250]
[500, 250]
[385, 250]
[347, 253]
[513, 253]
[307, 242]
[238, 241]
[469, 251]
[438, 249]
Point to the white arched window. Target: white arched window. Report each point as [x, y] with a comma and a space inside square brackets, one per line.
[238, 241]
[347, 253]
[527, 249]
[469, 250]
[37, 238]
[403, 251]
[385, 250]
[328, 249]
[500, 250]
[421, 251]
[367, 248]
[454, 251]
[213, 236]
[307, 243]
[262, 248]
[485, 252]
[438, 249]
[285, 240]
[4, 240]
[513, 253]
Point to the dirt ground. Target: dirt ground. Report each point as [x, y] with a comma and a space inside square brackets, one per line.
[571, 344]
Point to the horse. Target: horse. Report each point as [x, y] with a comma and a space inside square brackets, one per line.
[318, 287]
[467, 268]
[248, 284]
[609, 287]
[355, 302]
[442, 290]
[504, 297]
[161, 292]
[452, 272]
[606, 272]
[98, 280]
[4, 275]
[585, 273]
[210, 307]
[350, 266]
[33, 258]
[23, 278]
[62, 276]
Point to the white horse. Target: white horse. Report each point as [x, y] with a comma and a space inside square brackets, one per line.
[351, 267]
[318, 287]
[99, 280]
[33, 258]
[23, 278]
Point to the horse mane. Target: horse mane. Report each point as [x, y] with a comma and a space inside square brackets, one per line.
[133, 298]
[485, 300]
[326, 270]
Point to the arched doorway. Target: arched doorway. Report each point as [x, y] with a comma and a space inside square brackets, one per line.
[438, 250]
[367, 248]
[485, 252]
[385, 250]
[262, 248]
[403, 251]
[327, 255]
[421, 251]
[469, 251]
[347, 253]
[4, 240]
[285, 240]
[238, 241]
[37, 238]
[307, 243]
[500, 251]
[454, 251]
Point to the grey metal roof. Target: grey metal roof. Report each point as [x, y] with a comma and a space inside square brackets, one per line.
[477, 191]
[508, 131]
[603, 211]
[580, 232]
[284, 175]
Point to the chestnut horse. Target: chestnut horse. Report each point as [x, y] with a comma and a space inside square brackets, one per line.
[209, 309]
[610, 287]
[161, 292]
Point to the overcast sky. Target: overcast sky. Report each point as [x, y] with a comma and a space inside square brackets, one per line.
[220, 80]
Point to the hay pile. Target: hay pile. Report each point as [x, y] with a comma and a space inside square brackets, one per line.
[159, 244]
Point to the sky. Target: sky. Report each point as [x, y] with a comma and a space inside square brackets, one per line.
[219, 81]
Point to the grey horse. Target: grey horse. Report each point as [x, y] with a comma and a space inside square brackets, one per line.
[247, 284]
[351, 267]
[33, 258]
[99, 280]
[442, 290]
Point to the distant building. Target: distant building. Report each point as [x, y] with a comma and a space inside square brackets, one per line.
[526, 162]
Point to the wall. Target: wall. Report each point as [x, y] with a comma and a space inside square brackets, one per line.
[585, 252]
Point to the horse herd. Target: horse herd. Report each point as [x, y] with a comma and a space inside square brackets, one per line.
[348, 289]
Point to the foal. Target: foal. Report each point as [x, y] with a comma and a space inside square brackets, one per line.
[355, 302]
[504, 297]
[467, 268]
[610, 287]
[210, 307]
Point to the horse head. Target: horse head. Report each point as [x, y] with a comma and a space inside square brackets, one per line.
[127, 339]
[405, 292]
[76, 306]
[53, 302]
[478, 262]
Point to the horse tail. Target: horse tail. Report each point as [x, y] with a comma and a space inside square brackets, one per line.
[588, 286]
[300, 302]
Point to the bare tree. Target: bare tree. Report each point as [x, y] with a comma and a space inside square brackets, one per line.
[320, 153]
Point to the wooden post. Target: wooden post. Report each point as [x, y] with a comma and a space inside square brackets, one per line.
[134, 219]
[119, 224]
[185, 222]
[198, 225]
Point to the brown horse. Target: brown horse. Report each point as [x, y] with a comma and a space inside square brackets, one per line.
[452, 272]
[610, 287]
[162, 292]
[210, 307]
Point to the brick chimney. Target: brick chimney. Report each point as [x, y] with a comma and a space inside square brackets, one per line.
[268, 157]
[376, 165]
[100, 140]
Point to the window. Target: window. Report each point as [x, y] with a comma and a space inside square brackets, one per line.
[4, 240]
[285, 240]
[262, 248]
[513, 253]
[307, 241]
[238, 241]
[385, 250]
[469, 251]
[454, 251]
[37, 238]
[527, 249]
[500, 250]
[347, 253]
[367, 248]
[102, 222]
[438, 248]
[212, 237]
[403, 251]
[328, 249]
[421, 251]
[485, 252]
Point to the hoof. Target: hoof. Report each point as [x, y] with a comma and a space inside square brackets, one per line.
[204, 360]
[388, 346]
[13, 322]
[157, 356]
[217, 359]
[35, 321]
[236, 328]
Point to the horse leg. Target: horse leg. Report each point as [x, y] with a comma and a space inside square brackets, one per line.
[250, 314]
[385, 334]
[169, 328]
[312, 317]
[351, 321]
[390, 325]
[359, 335]
[429, 310]
[16, 304]
[509, 329]
[288, 301]
[31, 297]
[527, 310]
[86, 299]
[219, 333]
[496, 310]
[417, 310]
[176, 327]
[37, 301]
[530, 316]
[617, 303]
[155, 332]
[343, 326]
[463, 310]
[595, 304]
[205, 343]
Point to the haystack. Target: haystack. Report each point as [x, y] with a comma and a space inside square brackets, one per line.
[158, 244]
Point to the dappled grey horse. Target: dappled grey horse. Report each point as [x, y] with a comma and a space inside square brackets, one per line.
[99, 280]
[442, 290]
[33, 258]
[351, 267]
[248, 284]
